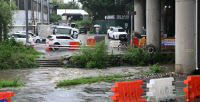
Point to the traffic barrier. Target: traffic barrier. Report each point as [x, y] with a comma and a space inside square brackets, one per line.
[90, 41]
[142, 42]
[128, 91]
[114, 43]
[6, 95]
[135, 42]
[74, 45]
[47, 47]
[193, 84]
[160, 90]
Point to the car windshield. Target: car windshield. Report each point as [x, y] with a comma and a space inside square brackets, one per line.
[118, 30]
[63, 31]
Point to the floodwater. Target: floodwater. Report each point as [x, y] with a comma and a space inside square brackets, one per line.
[41, 84]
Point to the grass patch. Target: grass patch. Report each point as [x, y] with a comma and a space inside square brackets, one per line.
[14, 56]
[89, 80]
[11, 83]
[154, 69]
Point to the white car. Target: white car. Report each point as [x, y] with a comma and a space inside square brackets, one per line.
[117, 33]
[37, 39]
[22, 38]
[62, 40]
[67, 31]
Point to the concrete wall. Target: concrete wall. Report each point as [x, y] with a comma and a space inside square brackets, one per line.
[19, 21]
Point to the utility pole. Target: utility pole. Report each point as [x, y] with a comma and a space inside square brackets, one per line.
[48, 11]
[132, 13]
[26, 7]
[42, 13]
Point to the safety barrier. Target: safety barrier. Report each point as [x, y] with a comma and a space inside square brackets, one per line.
[160, 90]
[90, 41]
[142, 42]
[74, 45]
[192, 90]
[128, 91]
[6, 95]
[135, 42]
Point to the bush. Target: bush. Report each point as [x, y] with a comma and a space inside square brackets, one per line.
[156, 69]
[83, 23]
[138, 56]
[91, 57]
[13, 55]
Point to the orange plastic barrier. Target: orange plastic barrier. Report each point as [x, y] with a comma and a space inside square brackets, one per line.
[90, 41]
[6, 95]
[76, 43]
[128, 91]
[142, 42]
[135, 42]
[194, 86]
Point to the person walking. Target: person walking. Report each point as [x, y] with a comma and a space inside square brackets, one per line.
[97, 30]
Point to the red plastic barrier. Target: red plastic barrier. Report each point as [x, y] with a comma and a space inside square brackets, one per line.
[74, 43]
[128, 91]
[6, 95]
[90, 41]
[194, 86]
[135, 42]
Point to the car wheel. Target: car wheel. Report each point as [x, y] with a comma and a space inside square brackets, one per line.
[113, 37]
[37, 41]
[55, 46]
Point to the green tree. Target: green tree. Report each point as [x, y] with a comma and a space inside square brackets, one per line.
[69, 5]
[100, 8]
[6, 12]
[54, 17]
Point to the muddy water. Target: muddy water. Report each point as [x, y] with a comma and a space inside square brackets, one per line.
[41, 83]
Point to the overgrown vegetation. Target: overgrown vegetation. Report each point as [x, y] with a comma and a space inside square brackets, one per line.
[54, 17]
[83, 23]
[13, 55]
[69, 5]
[154, 69]
[89, 80]
[91, 56]
[138, 56]
[10, 83]
[6, 15]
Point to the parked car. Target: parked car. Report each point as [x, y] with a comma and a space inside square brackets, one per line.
[117, 33]
[60, 39]
[20, 37]
[37, 39]
[67, 31]
[82, 30]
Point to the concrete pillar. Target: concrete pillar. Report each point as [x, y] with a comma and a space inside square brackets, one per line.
[185, 36]
[163, 17]
[139, 17]
[153, 23]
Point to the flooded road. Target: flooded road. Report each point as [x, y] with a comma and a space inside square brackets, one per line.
[41, 83]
